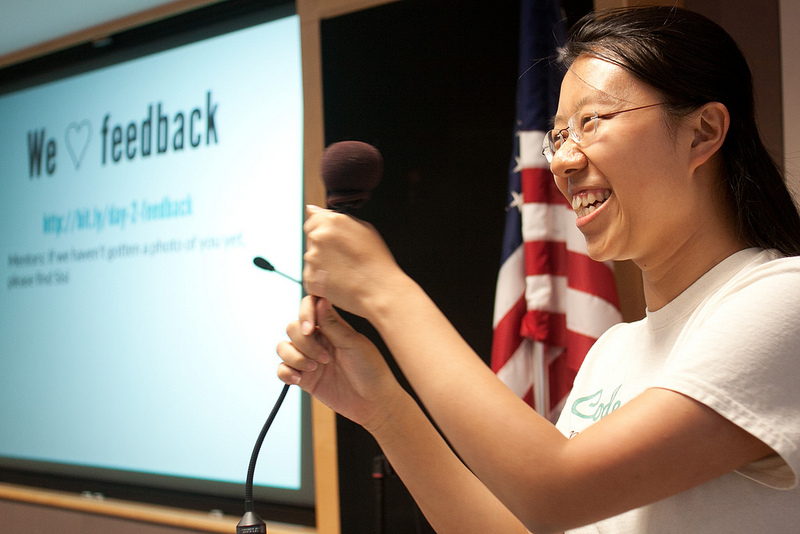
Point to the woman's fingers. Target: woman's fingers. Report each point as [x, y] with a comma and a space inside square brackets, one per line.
[301, 365]
[309, 318]
[308, 342]
[307, 315]
[294, 358]
[289, 375]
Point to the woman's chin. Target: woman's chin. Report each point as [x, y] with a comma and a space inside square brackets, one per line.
[600, 251]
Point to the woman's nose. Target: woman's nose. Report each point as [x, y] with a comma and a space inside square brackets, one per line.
[569, 158]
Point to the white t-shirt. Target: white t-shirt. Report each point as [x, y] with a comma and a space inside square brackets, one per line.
[732, 342]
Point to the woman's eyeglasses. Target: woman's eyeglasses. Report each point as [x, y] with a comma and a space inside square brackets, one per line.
[580, 128]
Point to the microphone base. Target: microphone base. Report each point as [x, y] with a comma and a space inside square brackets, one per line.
[251, 523]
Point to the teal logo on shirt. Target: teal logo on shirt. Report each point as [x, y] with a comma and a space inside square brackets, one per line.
[592, 407]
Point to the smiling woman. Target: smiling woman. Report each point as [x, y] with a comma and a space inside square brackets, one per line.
[689, 420]
[635, 160]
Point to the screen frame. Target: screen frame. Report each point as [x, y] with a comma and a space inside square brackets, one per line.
[139, 41]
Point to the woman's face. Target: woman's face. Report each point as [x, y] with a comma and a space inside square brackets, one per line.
[629, 183]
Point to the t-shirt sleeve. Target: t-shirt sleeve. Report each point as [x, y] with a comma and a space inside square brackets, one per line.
[741, 358]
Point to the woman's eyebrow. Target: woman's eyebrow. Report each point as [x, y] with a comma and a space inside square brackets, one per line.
[599, 97]
[578, 105]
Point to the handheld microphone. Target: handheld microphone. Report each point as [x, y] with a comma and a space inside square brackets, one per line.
[350, 171]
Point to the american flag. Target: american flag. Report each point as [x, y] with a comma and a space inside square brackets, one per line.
[552, 300]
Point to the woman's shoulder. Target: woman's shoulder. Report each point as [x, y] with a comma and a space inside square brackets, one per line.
[767, 269]
[769, 261]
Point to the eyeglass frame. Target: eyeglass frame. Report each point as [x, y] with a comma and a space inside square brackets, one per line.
[548, 143]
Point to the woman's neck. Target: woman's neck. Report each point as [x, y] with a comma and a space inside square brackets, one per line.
[671, 275]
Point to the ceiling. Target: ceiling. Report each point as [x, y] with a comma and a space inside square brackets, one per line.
[24, 23]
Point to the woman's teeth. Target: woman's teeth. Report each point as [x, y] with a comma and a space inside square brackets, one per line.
[584, 204]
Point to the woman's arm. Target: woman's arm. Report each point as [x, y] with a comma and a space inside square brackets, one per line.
[657, 445]
[451, 497]
[344, 370]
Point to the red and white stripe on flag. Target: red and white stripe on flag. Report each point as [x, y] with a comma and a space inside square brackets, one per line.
[552, 300]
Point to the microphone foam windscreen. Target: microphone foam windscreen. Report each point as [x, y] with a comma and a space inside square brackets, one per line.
[350, 171]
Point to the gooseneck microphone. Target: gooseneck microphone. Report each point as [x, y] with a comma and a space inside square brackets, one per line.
[260, 262]
[350, 171]
[251, 523]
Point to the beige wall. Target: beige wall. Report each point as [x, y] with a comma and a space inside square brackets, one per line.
[755, 25]
[790, 73]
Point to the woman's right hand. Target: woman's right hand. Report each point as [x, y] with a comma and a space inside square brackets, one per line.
[328, 359]
[348, 263]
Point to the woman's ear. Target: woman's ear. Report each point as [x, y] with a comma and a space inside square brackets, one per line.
[710, 126]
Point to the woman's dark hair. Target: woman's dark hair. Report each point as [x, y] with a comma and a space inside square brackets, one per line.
[692, 61]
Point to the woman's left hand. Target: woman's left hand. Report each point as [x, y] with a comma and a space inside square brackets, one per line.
[337, 365]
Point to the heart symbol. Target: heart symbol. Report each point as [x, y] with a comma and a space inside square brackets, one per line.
[77, 137]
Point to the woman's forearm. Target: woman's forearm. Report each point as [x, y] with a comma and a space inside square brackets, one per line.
[451, 497]
[505, 443]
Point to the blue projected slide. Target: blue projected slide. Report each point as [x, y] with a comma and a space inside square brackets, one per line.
[135, 332]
